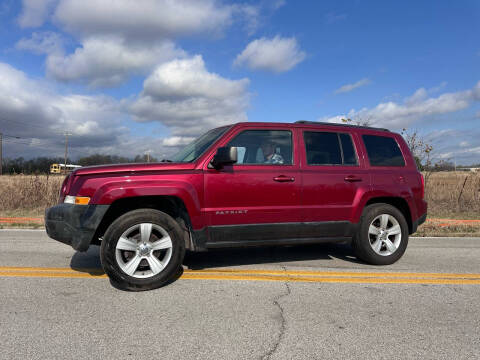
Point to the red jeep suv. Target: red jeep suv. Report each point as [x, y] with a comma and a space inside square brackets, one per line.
[246, 184]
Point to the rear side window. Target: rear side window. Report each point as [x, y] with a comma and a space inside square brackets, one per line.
[383, 151]
[329, 148]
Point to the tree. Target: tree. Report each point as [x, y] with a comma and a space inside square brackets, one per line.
[420, 148]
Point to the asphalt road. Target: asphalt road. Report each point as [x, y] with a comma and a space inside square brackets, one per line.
[305, 302]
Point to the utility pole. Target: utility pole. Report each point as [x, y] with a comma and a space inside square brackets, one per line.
[67, 134]
[1, 155]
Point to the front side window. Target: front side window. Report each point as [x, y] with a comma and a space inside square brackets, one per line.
[383, 151]
[329, 148]
[256, 147]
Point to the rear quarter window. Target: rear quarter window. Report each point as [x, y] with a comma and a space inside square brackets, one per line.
[383, 151]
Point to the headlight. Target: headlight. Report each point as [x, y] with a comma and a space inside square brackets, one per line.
[78, 200]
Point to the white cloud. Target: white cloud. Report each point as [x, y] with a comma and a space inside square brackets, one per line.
[35, 12]
[350, 87]
[455, 144]
[46, 42]
[251, 15]
[254, 16]
[120, 38]
[181, 94]
[109, 61]
[187, 98]
[277, 54]
[38, 114]
[175, 141]
[141, 20]
[416, 107]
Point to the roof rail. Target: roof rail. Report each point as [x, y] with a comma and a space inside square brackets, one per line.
[337, 124]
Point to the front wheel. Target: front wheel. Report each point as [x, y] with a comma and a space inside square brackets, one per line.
[142, 250]
[382, 236]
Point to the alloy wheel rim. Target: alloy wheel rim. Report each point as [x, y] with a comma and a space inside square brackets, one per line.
[143, 250]
[385, 234]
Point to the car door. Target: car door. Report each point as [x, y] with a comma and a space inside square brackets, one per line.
[333, 177]
[250, 200]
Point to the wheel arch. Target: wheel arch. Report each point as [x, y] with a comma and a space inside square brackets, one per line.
[171, 205]
[397, 202]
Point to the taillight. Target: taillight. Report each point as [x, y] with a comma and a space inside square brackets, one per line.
[423, 185]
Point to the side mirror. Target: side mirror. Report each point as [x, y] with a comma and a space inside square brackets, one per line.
[224, 156]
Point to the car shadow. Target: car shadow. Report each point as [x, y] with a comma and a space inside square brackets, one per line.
[268, 255]
[89, 261]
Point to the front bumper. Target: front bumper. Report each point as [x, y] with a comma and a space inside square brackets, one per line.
[74, 225]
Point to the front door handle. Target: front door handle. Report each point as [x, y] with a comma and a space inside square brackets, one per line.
[283, 178]
[352, 178]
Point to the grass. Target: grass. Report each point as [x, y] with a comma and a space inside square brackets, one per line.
[450, 195]
[453, 195]
[27, 196]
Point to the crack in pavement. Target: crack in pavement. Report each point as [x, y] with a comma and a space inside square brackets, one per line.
[276, 302]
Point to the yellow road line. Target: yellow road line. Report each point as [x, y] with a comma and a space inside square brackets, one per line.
[264, 275]
[49, 274]
[263, 272]
[367, 280]
[335, 273]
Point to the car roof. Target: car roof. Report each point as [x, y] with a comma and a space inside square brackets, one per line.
[311, 124]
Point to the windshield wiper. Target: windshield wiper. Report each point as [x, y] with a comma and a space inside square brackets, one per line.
[166, 160]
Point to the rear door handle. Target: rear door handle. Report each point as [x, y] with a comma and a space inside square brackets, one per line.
[352, 178]
[283, 178]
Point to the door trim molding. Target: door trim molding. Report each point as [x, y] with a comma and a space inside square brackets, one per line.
[274, 234]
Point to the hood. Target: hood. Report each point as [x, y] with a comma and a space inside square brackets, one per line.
[132, 168]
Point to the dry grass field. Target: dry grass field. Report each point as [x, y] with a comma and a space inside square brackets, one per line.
[27, 196]
[453, 195]
[450, 196]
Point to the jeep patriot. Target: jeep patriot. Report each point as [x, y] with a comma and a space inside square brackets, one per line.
[248, 184]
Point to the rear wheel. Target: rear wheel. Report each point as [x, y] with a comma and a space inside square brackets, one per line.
[142, 250]
[382, 236]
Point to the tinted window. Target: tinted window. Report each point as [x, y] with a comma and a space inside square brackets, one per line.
[383, 151]
[328, 148]
[349, 156]
[272, 147]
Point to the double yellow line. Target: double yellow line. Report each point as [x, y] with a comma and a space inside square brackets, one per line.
[352, 277]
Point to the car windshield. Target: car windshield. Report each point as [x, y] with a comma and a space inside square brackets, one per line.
[192, 151]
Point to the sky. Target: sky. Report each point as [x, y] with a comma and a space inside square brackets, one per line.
[128, 77]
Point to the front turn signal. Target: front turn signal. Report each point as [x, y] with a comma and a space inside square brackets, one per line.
[77, 200]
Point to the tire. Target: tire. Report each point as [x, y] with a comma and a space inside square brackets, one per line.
[147, 234]
[381, 245]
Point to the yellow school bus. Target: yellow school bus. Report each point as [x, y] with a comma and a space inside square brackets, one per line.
[60, 168]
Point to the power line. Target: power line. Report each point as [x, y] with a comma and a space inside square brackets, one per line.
[21, 141]
[43, 147]
[11, 136]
